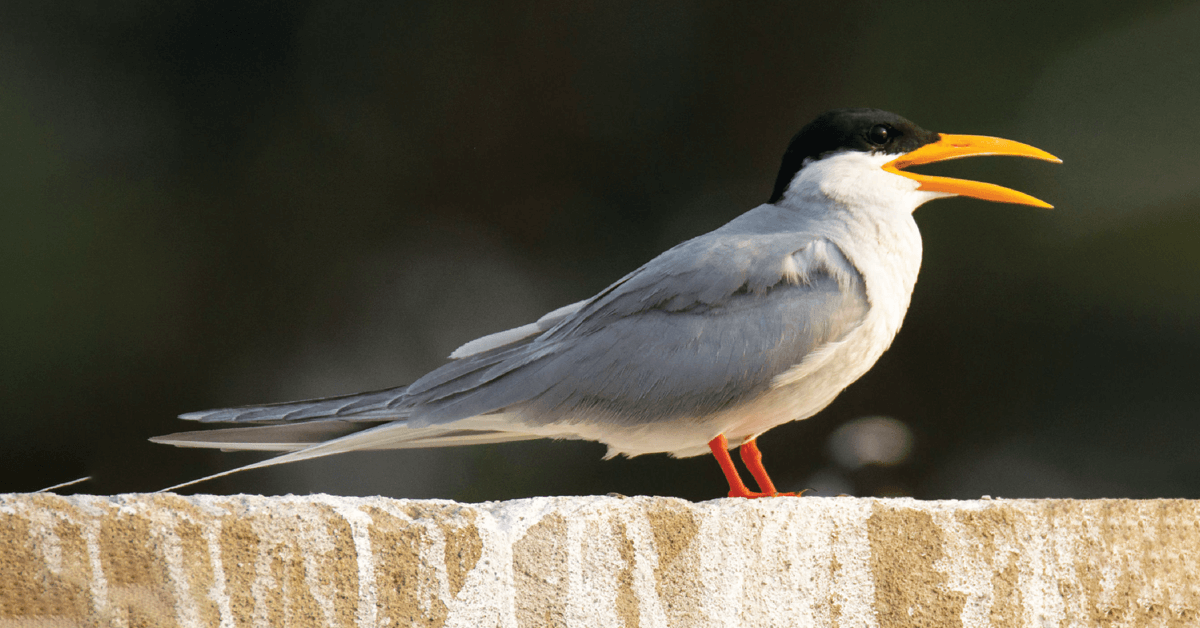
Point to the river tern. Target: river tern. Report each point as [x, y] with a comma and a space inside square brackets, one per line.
[704, 348]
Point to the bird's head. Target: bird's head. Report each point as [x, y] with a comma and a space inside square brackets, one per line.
[858, 156]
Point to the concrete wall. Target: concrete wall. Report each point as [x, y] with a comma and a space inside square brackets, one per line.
[165, 560]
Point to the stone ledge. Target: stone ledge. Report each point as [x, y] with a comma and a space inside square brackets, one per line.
[167, 560]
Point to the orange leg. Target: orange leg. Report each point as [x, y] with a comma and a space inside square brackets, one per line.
[753, 459]
[720, 451]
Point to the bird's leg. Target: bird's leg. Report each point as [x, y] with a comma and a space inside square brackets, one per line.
[720, 451]
[753, 459]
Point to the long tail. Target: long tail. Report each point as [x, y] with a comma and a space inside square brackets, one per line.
[331, 425]
[325, 438]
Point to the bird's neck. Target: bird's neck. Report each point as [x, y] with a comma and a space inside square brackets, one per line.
[886, 248]
[883, 244]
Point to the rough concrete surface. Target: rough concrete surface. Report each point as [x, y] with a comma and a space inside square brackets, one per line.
[166, 560]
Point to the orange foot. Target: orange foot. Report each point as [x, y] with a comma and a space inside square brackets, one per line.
[753, 459]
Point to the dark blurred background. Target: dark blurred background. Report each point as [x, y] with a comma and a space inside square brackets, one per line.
[227, 202]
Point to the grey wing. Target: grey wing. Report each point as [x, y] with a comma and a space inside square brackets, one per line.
[355, 407]
[317, 427]
[374, 406]
[703, 326]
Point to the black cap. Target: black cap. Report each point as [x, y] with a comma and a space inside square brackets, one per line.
[864, 130]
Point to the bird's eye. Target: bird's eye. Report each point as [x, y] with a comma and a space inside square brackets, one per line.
[879, 134]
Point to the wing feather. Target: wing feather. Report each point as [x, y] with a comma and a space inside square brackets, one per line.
[352, 407]
[699, 328]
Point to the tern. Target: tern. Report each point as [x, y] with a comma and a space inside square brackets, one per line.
[705, 347]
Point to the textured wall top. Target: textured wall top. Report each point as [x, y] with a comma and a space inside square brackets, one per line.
[166, 560]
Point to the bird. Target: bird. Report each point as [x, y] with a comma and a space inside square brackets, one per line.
[763, 321]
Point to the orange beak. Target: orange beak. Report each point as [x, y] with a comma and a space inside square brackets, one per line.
[958, 146]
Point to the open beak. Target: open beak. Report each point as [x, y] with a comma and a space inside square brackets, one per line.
[958, 146]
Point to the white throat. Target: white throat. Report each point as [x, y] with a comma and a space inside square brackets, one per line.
[857, 179]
